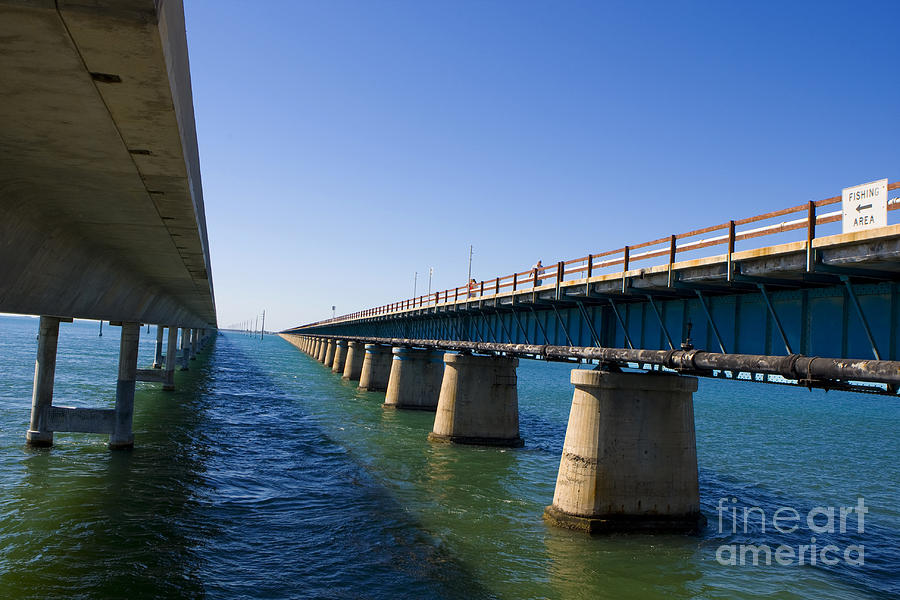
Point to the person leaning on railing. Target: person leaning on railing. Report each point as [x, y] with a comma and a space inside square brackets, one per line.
[472, 286]
[535, 273]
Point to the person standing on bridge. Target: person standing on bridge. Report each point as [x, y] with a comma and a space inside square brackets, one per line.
[535, 273]
[472, 285]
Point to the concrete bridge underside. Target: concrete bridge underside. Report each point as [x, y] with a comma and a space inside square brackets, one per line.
[100, 186]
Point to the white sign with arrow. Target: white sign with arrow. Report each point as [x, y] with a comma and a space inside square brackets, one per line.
[865, 206]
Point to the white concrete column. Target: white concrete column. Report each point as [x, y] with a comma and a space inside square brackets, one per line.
[185, 348]
[122, 436]
[42, 393]
[195, 343]
[415, 380]
[353, 364]
[329, 353]
[479, 402]
[171, 351]
[323, 350]
[376, 368]
[158, 355]
[340, 355]
[629, 460]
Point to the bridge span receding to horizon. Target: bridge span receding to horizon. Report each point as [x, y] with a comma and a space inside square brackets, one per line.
[100, 190]
[820, 311]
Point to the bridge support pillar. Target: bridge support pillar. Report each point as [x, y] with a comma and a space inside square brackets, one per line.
[158, 356]
[478, 403]
[340, 356]
[629, 460]
[323, 350]
[185, 348]
[329, 353]
[171, 350]
[415, 380]
[195, 343]
[353, 364]
[376, 368]
[39, 433]
[316, 348]
[122, 436]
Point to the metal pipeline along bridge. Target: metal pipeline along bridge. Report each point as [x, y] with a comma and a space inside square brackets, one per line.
[100, 192]
[787, 297]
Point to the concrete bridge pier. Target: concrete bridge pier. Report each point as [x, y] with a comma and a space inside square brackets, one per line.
[415, 379]
[629, 460]
[340, 355]
[122, 436]
[185, 348]
[329, 353]
[316, 347]
[376, 368]
[479, 402]
[195, 343]
[158, 356]
[356, 354]
[39, 434]
[171, 350]
[323, 348]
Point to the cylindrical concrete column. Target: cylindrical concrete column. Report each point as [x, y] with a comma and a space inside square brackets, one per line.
[323, 349]
[185, 348]
[171, 350]
[329, 353]
[353, 364]
[479, 403]
[629, 460]
[415, 380]
[42, 392]
[195, 343]
[158, 356]
[376, 368]
[340, 355]
[122, 436]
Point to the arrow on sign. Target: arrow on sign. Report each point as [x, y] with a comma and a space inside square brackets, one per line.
[863, 207]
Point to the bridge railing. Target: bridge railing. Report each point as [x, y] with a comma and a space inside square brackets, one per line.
[725, 237]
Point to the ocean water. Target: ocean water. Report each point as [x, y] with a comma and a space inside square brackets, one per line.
[265, 476]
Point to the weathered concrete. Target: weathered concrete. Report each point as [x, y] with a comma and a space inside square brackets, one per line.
[415, 380]
[478, 403]
[629, 460]
[122, 436]
[322, 351]
[158, 355]
[340, 355]
[169, 383]
[39, 434]
[376, 368]
[329, 353]
[353, 364]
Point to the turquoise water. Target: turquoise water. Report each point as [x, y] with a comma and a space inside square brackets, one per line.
[265, 476]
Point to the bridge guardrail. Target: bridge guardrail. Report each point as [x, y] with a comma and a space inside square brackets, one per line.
[622, 260]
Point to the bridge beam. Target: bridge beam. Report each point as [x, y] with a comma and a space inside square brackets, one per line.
[629, 459]
[479, 402]
[340, 356]
[415, 379]
[354, 362]
[376, 368]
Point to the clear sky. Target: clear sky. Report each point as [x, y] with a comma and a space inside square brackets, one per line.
[346, 145]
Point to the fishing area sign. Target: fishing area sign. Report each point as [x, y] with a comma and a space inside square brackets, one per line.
[865, 206]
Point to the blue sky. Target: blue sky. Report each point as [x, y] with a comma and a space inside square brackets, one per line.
[346, 145]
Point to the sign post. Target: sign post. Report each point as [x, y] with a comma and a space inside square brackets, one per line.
[864, 206]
